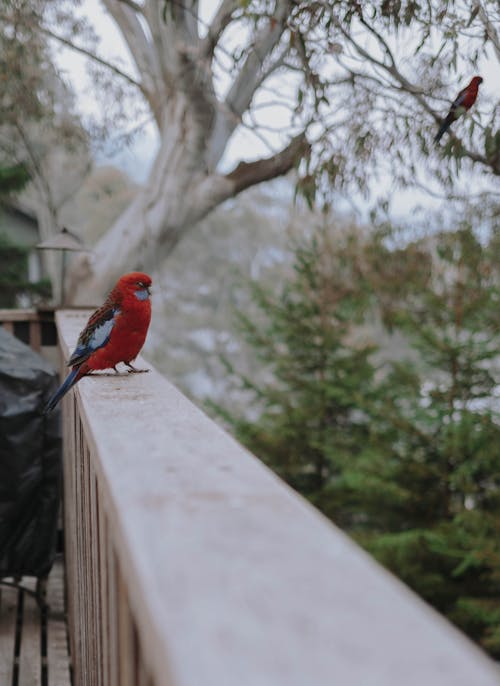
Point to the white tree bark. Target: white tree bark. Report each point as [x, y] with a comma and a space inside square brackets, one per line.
[177, 195]
[175, 66]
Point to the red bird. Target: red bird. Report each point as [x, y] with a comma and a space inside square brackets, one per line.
[463, 102]
[114, 333]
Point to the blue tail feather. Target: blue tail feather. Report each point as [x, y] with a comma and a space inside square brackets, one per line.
[442, 129]
[68, 382]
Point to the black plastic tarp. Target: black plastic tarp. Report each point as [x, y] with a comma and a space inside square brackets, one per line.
[30, 461]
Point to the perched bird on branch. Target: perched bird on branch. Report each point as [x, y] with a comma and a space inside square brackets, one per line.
[462, 103]
[114, 333]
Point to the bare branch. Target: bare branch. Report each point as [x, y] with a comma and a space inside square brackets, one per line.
[493, 162]
[248, 174]
[144, 56]
[380, 39]
[222, 18]
[491, 31]
[248, 80]
[276, 64]
[255, 130]
[95, 58]
[133, 5]
[249, 77]
[214, 189]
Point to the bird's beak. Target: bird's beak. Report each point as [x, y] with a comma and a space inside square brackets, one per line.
[148, 288]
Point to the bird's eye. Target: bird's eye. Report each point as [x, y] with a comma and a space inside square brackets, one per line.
[139, 283]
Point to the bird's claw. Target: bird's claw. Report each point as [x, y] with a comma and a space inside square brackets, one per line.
[134, 370]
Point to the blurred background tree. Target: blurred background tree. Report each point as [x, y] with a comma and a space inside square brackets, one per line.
[401, 450]
[360, 91]
[14, 282]
[39, 128]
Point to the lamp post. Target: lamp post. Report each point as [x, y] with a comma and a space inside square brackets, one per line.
[65, 241]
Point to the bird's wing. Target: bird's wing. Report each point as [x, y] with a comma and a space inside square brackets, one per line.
[96, 334]
[459, 100]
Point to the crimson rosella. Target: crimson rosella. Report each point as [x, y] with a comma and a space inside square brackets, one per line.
[114, 333]
[463, 102]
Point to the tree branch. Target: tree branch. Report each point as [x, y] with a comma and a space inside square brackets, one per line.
[133, 5]
[248, 174]
[247, 81]
[222, 18]
[412, 90]
[142, 53]
[95, 58]
[490, 29]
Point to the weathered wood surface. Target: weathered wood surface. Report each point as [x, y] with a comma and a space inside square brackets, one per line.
[218, 574]
[34, 319]
[37, 655]
[20, 315]
[58, 663]
[8, 615]
[30, 655]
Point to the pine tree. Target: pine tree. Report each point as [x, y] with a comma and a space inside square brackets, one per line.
[440, 532]
[402, 453]
[312, 416]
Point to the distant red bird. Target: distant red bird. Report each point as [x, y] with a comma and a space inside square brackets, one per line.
[463, 102]
[114, 333]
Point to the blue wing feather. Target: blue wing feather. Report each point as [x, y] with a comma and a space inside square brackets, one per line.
[459, 99]
[95, 335]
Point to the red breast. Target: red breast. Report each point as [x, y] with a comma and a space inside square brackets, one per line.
[471, 92]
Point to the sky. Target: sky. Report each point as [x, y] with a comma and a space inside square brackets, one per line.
[135, 159]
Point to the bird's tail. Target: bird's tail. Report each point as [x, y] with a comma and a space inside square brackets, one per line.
[443, 128]
[68, 382]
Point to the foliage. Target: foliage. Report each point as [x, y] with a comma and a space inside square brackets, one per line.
[402, 451]
[13, 178]
[39, 130]
[320, 382]
[14, 283]
[360, 89]
[385, 74]
[37, 118]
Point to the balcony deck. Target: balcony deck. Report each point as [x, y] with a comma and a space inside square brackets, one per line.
[34, 642]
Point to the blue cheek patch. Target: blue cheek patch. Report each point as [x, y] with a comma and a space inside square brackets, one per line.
[143, 294]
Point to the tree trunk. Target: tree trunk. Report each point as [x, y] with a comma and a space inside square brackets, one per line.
[155, 220]
[179, 192]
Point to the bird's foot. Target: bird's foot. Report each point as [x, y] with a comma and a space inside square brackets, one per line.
[133, 370]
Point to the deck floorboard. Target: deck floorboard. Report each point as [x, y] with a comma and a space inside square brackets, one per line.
[34, 646]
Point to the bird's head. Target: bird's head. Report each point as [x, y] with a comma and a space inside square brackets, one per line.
[136, 283]
[477, 80]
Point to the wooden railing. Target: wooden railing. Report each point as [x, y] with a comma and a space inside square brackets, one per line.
[33, 327]
[190, 564]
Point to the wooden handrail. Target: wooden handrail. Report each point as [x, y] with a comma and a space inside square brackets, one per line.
[191, 564]
[29, 325]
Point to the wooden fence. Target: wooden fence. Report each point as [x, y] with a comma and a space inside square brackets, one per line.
[190, 564]
[33, 327]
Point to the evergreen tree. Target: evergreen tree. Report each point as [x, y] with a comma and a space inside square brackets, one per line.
[312, 416]
[13, 257]
[402, 453]
[438, 416]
